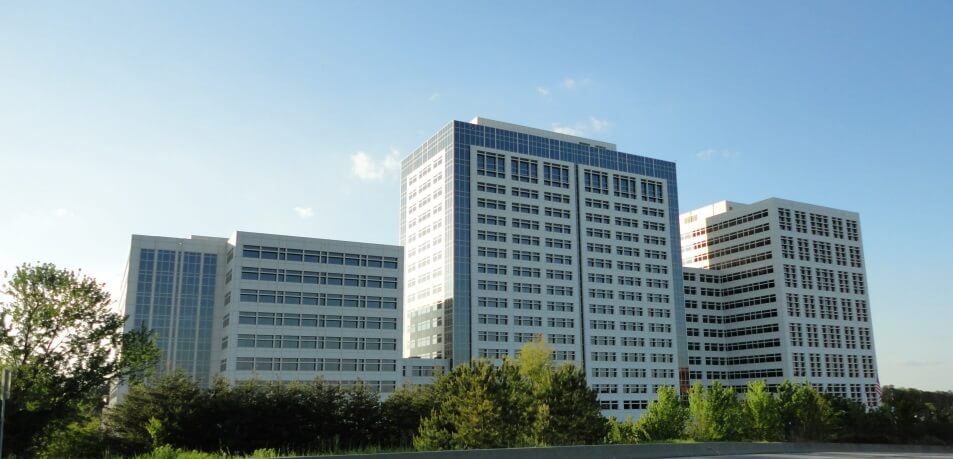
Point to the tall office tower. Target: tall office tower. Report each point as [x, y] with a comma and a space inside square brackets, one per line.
[272, 307]
[776, 290]
[296, 308]
[511, 231]
[171, 288]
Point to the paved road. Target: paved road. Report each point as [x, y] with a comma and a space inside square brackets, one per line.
[832, 456]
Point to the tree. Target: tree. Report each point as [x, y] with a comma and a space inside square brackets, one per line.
[535, 364]
[65, 348]
[665, 418]
[574, 414]
[479, 405]
[402, 413]
[805, 414]
[623, 432]
[715, 413]
[361, 416]
[760, 409]
[163, 411]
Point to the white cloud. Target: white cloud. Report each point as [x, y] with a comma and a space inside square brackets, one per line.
[304, 212]
[565, 130]
[573, 83]
[434, 97]
[597, 124]
[542, 91]
[63, 213]
[712, 153]
[581, 128]
[364, 167]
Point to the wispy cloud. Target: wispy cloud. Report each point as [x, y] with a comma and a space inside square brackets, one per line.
[565, 130]
[434, 97]
[364, 167]
[592, 124]
[573, 83]
[304, 212]
[712, 153]
[566, 84]
[63, 213]
[597, 124]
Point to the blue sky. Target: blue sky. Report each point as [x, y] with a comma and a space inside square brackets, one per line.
[178, 118]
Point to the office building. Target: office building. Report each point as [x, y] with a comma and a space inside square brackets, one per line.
[174, 287]
[273, 307]
[777, 290]
[510, 232]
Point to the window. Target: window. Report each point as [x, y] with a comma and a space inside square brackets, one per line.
[488, 203]
[597, 203]
[787, 247]
[806, 279]
[853, 233]
[558, 228]
[491, 165]
[559, 259]
[525, 193]
[820, 225]
[556, 197]
[524, 208]
[524, 224]
[597, 182]
[784, 219]
[527, 304]
[491, 188]
[838, 226]
[555, 175]
[624, 186]
[651, 191]
[558, 243]
[524, 170]
[557, 213]
[800, 221]
[492, 220]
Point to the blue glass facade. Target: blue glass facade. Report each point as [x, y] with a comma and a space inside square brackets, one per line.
[175, 297]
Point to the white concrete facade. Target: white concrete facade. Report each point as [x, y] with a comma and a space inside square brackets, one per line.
[776, 290]
[274, 307]
[297, 308]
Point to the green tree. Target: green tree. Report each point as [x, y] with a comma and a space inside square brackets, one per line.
[623, 432]
[65, 348]
[479, 405]
[361, 416]
[402, 413]
[805, 414]
[574, 415]
[535, 366]
[760, 410]
[664, 419]
[163, 411]
[715, 413]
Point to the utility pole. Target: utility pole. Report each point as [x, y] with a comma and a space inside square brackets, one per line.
[4, 395]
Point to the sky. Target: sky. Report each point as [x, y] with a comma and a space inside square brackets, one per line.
[176, 118]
